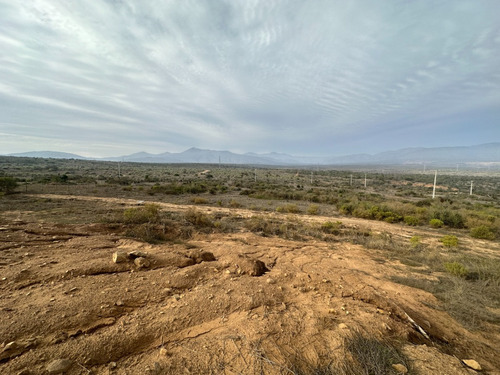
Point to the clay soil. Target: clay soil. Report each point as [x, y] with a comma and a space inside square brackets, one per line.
[61, 296]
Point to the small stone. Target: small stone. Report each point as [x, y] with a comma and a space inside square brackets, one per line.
[332, 311]
[343, 326]
[163, 352]
[59, 366]
[142, 262]
[120, 257]
[119, 303]
[400, 368]
[472, 364]
[270, 281]
[112, 365]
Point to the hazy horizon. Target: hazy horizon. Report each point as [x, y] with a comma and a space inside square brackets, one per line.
[108, 78]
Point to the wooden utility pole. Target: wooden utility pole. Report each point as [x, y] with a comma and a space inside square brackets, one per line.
[434, 187]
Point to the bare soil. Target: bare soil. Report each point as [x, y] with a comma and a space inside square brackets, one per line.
[61, 296]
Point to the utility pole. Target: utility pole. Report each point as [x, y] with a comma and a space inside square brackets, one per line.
[365, 180]
[434, 187]
[119, 169]
[255, 174]
[311, 177]
[471, 183]
[350, 183]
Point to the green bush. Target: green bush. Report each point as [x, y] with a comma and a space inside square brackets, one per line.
[484, 232]
[436, 223]
[450, 241]
[415, 242]
[411, 220]
[456, 269]
[7, 184]
[449, 218]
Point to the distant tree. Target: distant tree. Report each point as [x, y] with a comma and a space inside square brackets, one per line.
[7, 184]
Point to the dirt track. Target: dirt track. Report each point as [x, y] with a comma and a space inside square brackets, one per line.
[63, 297]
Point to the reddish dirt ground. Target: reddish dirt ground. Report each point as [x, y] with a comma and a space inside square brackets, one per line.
[61, 296]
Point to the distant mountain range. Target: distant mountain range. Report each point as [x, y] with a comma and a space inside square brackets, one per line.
[485, 153]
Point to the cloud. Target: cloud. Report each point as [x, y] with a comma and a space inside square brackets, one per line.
[287, 76]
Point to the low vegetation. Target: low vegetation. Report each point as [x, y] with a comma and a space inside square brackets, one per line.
[430, 241]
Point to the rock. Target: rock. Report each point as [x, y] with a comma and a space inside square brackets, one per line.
[142, 262]
[137, 254]
[185, 262]
[252, 267]
[16, 348]
[400, 368]
[270, 281]
[201, 256]
[207, 256]
[343, 326]
[59, 366]
[112, 365]
[120, 257]
[472, 364]
[164, 352]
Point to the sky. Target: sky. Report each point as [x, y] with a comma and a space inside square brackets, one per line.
[318, 77]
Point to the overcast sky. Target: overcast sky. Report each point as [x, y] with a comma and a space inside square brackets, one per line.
[113, 77]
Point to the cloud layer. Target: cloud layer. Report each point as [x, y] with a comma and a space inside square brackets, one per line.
[317, 77]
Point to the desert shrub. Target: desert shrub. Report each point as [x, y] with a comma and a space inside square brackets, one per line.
[436, 223]
[313, 209]
[411, 220]
[197, 218]
[149, 213]
[415, 242]
[288, 208]
[346, 209]
[449, 218]
[424, 203]
[331, 227]
[483, 232]
[374, 357]
[456, 269]
[199, 200]
[7, 184]
[449, 241]
[234, 204]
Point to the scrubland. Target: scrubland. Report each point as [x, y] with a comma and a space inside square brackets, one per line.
[247, 271]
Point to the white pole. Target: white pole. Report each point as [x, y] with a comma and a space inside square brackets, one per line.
[351, 181]
[311, 177]
[471, 187]
[255, 174]
[365, 180]
[434, 187]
